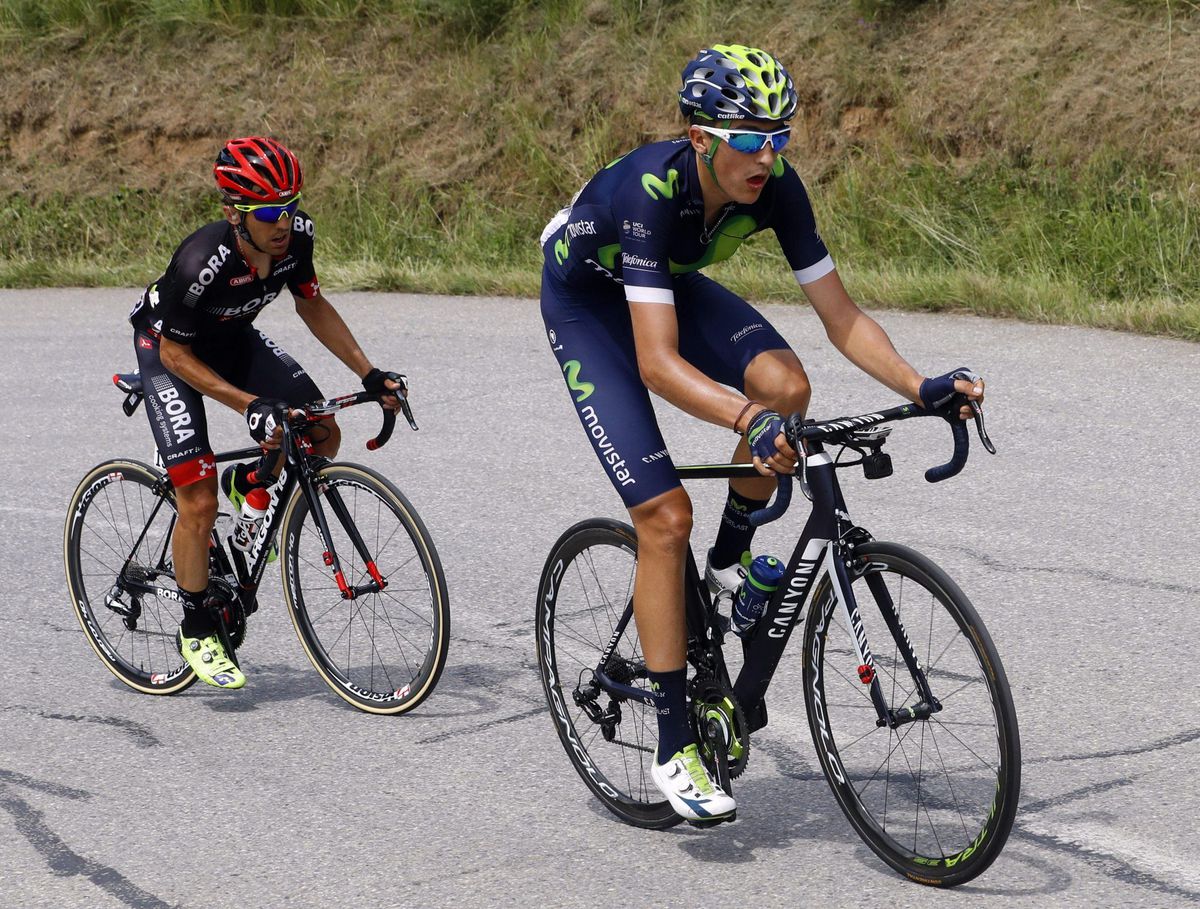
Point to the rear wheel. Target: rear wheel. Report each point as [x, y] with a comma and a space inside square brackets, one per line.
[117, 555]
[935, 798]
[584, 611]
[384, 649]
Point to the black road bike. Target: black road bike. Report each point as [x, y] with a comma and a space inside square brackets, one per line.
[906, 699]
[362, 579]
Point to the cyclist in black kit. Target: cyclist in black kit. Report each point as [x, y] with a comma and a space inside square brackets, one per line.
[627, 310]
[195, 338]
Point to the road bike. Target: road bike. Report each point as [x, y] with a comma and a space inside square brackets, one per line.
[906, 699]
[361, 577]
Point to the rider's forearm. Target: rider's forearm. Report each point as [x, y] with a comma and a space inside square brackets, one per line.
[677, 381]
[328, 327]
[864, 343]
[180, 360]
[860, 338]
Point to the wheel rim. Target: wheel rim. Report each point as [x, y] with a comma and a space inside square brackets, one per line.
[585, 603]
[112, 509]
[378, 647]
[929, 788]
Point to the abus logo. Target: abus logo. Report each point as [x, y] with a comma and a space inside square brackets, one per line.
[239, 280]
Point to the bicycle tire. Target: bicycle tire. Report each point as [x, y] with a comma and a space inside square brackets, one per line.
[95, 552]
[584, 592]
[400, 666]
[963, 809]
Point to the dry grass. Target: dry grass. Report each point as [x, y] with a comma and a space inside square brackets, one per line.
[435, 144]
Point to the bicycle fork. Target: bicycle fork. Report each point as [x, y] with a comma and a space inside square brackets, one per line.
[377, 583]
[848, 614]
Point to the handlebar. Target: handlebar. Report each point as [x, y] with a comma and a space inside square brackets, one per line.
[797, 431]
[774, 511]
[333, 405]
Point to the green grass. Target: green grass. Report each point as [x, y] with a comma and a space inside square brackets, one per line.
[1105, 245]
[913, 219]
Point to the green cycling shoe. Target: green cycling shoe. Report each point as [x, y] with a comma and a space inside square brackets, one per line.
[209, 661]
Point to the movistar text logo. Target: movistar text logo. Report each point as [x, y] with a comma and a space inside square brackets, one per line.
[656, 188]
[571, 368]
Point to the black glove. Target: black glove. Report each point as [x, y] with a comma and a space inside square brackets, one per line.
[761, 434]
[261, 417]
[937, 392]
[375, 379]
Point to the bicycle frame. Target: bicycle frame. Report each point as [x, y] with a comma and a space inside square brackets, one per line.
[823, 550]
[244, 571]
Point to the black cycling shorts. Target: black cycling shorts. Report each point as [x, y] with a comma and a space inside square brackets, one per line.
[591, 334]
[246, 359]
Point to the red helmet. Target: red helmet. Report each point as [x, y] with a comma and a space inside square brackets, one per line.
[257, 169]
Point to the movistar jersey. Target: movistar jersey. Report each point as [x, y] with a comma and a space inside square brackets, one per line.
[208, 289]
[640, 221]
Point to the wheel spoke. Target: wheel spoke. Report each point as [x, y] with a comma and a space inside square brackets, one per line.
[922, 789]
[380, 640]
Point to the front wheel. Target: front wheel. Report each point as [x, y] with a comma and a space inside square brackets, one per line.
[383, 649]
[934, 797]
[585, 615]
[117, 555]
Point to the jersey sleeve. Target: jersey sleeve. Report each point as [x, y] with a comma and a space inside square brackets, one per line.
[188, 278]
[796, 228]
[302, 282]
[644, 210]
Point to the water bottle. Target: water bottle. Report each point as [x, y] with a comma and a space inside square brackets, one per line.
[762, 578]
[250, 517]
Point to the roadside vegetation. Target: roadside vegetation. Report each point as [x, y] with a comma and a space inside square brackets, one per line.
[1033, 159]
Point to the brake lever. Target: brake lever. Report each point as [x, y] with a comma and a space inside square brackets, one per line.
[406, 409]
[977, 413]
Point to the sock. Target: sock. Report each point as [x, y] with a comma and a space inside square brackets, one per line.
[198, 621]
[670, 693]
[735, 532]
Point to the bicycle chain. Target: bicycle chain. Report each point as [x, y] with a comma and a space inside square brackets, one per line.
[626, 744]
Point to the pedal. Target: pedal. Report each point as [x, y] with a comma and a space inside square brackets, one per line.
[714, 821]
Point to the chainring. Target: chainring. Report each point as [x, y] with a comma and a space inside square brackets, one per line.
[713, 701]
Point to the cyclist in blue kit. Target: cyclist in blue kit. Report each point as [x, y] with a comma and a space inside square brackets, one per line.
[627, 311]
[194, 338]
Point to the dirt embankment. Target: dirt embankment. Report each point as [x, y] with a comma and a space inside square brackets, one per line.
[373, 101]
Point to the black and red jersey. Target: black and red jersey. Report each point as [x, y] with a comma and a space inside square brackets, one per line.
[209, 289]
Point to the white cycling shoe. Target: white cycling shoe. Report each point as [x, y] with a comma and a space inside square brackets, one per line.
[723, 582]
[692, 792]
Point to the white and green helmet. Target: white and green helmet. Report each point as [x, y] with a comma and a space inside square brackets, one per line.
[732, 82]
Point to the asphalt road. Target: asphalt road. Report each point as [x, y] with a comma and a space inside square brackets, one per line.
[1078, 543]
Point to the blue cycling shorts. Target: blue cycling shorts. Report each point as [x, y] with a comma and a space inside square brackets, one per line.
[591, 335]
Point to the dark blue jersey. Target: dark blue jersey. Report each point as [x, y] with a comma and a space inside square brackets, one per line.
[209, 289]
[640, 220]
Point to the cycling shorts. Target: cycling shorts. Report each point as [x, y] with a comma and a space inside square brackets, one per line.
[246, 359]
[591, 335]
